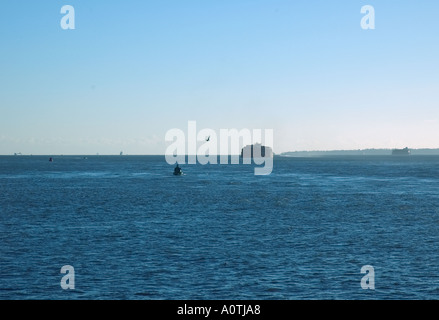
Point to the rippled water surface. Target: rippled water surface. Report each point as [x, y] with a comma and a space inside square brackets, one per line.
[132, 230]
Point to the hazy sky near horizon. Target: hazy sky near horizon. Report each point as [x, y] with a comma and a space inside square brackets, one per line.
[132, 70]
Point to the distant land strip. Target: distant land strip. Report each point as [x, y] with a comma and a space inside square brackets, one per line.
[362, 152]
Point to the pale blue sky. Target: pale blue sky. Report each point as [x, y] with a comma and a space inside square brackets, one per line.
[131, 70]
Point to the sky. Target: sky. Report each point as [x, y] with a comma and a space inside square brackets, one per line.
[131, 71]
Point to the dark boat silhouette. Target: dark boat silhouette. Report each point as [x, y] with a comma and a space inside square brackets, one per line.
[177, 171]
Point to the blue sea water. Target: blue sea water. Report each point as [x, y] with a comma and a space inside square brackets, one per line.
[132, 230]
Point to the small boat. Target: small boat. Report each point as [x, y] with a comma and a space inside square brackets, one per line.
[177, 171]
[50, 159]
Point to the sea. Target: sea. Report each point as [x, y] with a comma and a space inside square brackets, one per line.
[316, 228]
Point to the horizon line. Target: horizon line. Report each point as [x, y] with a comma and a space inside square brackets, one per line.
[187, 155]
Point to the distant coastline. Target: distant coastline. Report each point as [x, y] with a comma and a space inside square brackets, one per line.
[313, 153]
[362, 152]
